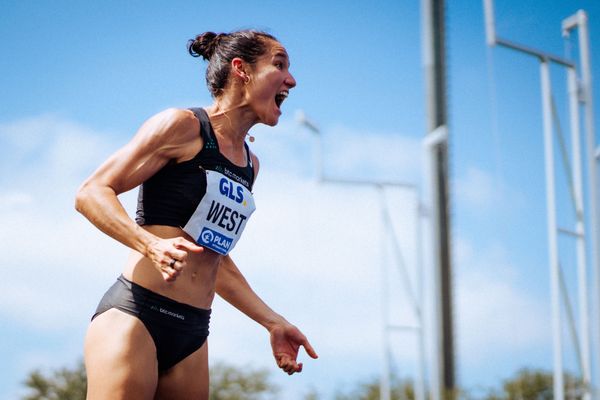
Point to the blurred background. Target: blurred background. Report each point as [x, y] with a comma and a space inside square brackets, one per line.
[78, 78]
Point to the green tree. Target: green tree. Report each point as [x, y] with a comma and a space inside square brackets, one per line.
[232, 383]
[530, 384]
[227, 383]
[62, 384]
[400, 390]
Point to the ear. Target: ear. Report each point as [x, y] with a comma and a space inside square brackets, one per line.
[238, 67]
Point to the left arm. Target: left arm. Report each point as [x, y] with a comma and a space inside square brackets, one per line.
[286, 339]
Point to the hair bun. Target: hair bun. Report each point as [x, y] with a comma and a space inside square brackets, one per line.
[204, 45]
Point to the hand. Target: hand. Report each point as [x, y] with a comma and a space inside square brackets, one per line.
[286, 339]
[169, 256]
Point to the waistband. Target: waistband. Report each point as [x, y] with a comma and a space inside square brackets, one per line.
[159, 306]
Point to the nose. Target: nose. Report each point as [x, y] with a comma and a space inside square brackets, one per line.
[290, 81]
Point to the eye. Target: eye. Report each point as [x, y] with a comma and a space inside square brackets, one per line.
[279, 65]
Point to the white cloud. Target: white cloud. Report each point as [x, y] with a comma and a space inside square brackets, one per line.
[373, 155]
[498, 317]
[53, 254]
[15, 199]
[480, 192]
[344, 152]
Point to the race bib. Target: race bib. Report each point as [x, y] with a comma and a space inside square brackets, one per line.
[221, 216]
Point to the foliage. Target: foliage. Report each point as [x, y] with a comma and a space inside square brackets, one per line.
[400, 390]
[232, 383]
[226, 383]
[62, 384]
[528, 384]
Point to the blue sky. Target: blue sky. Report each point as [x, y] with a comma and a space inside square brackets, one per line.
[78, 78]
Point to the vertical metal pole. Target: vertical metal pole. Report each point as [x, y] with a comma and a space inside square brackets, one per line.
[594, 226]
[435, 69]
[420, 384]
[552, 230]
[384, 384]
[584, 326]
[490, 23]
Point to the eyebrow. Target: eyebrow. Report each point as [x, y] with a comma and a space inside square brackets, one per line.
[284, 55]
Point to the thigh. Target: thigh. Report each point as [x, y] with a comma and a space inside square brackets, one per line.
[188, 379]
[120, 358]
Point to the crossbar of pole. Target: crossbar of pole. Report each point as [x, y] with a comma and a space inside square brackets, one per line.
[493, 39]
[376, 184]
[536, 53]
[570, 232]
[404, 328]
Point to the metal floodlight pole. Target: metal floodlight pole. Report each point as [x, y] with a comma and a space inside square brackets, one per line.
[387, 232]
[580, 21]
[493, 39]
[384, 382]
[583, 341]
[434, 62]
[584, 325]
[420, 390]
[552, 230]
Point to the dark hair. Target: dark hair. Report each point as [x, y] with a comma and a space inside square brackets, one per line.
[220, 49]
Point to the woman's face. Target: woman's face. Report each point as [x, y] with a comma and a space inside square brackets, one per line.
[270, 82]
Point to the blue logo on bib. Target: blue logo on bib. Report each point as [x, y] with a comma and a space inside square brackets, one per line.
[214, 241]
[234, 192]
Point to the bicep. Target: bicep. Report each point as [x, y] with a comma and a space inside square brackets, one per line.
[127, 168]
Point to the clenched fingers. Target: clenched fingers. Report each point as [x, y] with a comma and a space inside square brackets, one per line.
[174, 257]
[170, 270]
[289, 365]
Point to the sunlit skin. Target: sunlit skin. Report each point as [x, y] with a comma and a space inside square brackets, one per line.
[120, 355]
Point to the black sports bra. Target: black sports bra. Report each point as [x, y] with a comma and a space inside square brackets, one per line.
[171, 196]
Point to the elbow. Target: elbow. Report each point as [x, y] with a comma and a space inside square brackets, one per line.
[81, 198]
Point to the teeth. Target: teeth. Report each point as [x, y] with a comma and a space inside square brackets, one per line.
[281, 96]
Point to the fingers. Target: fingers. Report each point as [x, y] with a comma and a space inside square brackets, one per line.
[309, 349]
[171, 269]
[182, 243]
[289, 365]
[172, 258]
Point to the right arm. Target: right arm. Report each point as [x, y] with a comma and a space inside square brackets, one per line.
[163, 137]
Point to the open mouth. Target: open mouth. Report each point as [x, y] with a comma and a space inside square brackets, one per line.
[280, 97]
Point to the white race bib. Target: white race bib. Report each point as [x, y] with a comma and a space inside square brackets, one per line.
[221, 216]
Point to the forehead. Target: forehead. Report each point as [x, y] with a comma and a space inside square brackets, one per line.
[276, 49]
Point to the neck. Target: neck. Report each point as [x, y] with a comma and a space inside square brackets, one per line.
[231, 120]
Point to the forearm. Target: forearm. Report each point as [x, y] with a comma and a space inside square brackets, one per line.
[102, 208]
[233, 288]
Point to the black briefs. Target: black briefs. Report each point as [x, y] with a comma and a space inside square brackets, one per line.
[177, 329]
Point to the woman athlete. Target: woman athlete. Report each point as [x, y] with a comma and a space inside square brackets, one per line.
[147, 339]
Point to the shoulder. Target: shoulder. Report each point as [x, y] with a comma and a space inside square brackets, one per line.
[169, 133]
[255, 163]
[176, 122]
[172, 126]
